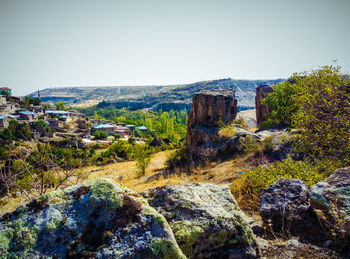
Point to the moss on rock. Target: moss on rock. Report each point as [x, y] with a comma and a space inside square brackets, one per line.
[95, 219]
[166, 249]
[187, 234]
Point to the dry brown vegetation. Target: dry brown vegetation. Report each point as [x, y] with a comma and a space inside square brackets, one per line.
[126, 173]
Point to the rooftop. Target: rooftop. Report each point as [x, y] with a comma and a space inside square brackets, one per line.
[57, 112]
[101, 126]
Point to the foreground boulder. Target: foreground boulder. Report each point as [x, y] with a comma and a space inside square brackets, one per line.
[206, 220]
[96, 219]
[285, 206]
[331, 200]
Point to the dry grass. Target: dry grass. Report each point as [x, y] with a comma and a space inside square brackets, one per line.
[126, 173]
[87, 103]
[228, 131]
[10, 204]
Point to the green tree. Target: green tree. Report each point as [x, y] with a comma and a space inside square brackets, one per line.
[6, 134]
[284, 103]
[317, 103]
[100, 134]
[42, 124]
[142, 158]
[324, 113]
[60, 106]
[19, 130]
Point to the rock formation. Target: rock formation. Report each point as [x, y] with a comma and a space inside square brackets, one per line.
[210, 109]
[206, 220]
[285, 206]
[97, 219]
[331, 200]
[321, 213]
[261, 109]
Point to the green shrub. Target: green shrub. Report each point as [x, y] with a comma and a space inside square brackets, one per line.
[100, 134]
[121, 149]
[252, 182]
[142, 158]
[179, 158]
[42, 124]
[316, 102]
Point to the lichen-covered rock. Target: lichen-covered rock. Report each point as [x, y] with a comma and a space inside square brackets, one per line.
[206, 220]
[285, 206]
[96, 219]
[331, 200]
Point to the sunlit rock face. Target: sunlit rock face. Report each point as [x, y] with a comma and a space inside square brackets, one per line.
[206, 220]
[261, 109]
[210, 110]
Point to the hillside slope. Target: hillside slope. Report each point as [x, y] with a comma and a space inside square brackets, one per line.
[152, 95]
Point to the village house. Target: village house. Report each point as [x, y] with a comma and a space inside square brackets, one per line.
[38, 109]
[110, 128]
[2, 99]
[95, 121]
[142, 128]
[25, 116]
[15, 99]
[65, 115]
[4, 121]
[122, 131]
[53, 123]
[131, 127]
[8, 108]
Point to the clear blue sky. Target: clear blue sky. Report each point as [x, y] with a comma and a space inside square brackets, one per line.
[47, 43]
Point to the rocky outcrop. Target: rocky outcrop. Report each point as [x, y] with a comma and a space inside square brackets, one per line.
[331, 201]
[206, 220]
[97, 219]
[285, 206]
[157, 142]
[321, 213]
[261, 109]
[210, 109]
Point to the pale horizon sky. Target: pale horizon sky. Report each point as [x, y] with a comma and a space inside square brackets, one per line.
[51, 43]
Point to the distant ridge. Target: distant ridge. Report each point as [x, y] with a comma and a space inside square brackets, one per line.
[153, 94]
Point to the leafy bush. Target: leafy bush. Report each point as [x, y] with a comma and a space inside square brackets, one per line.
[142, 158]
[19, 130]
[42, 124]
[284, 103]
[100, 134]
[316, 102]
[6, 134]
[179, 158]
[249, 186]
[121, 149]
[324, 114]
